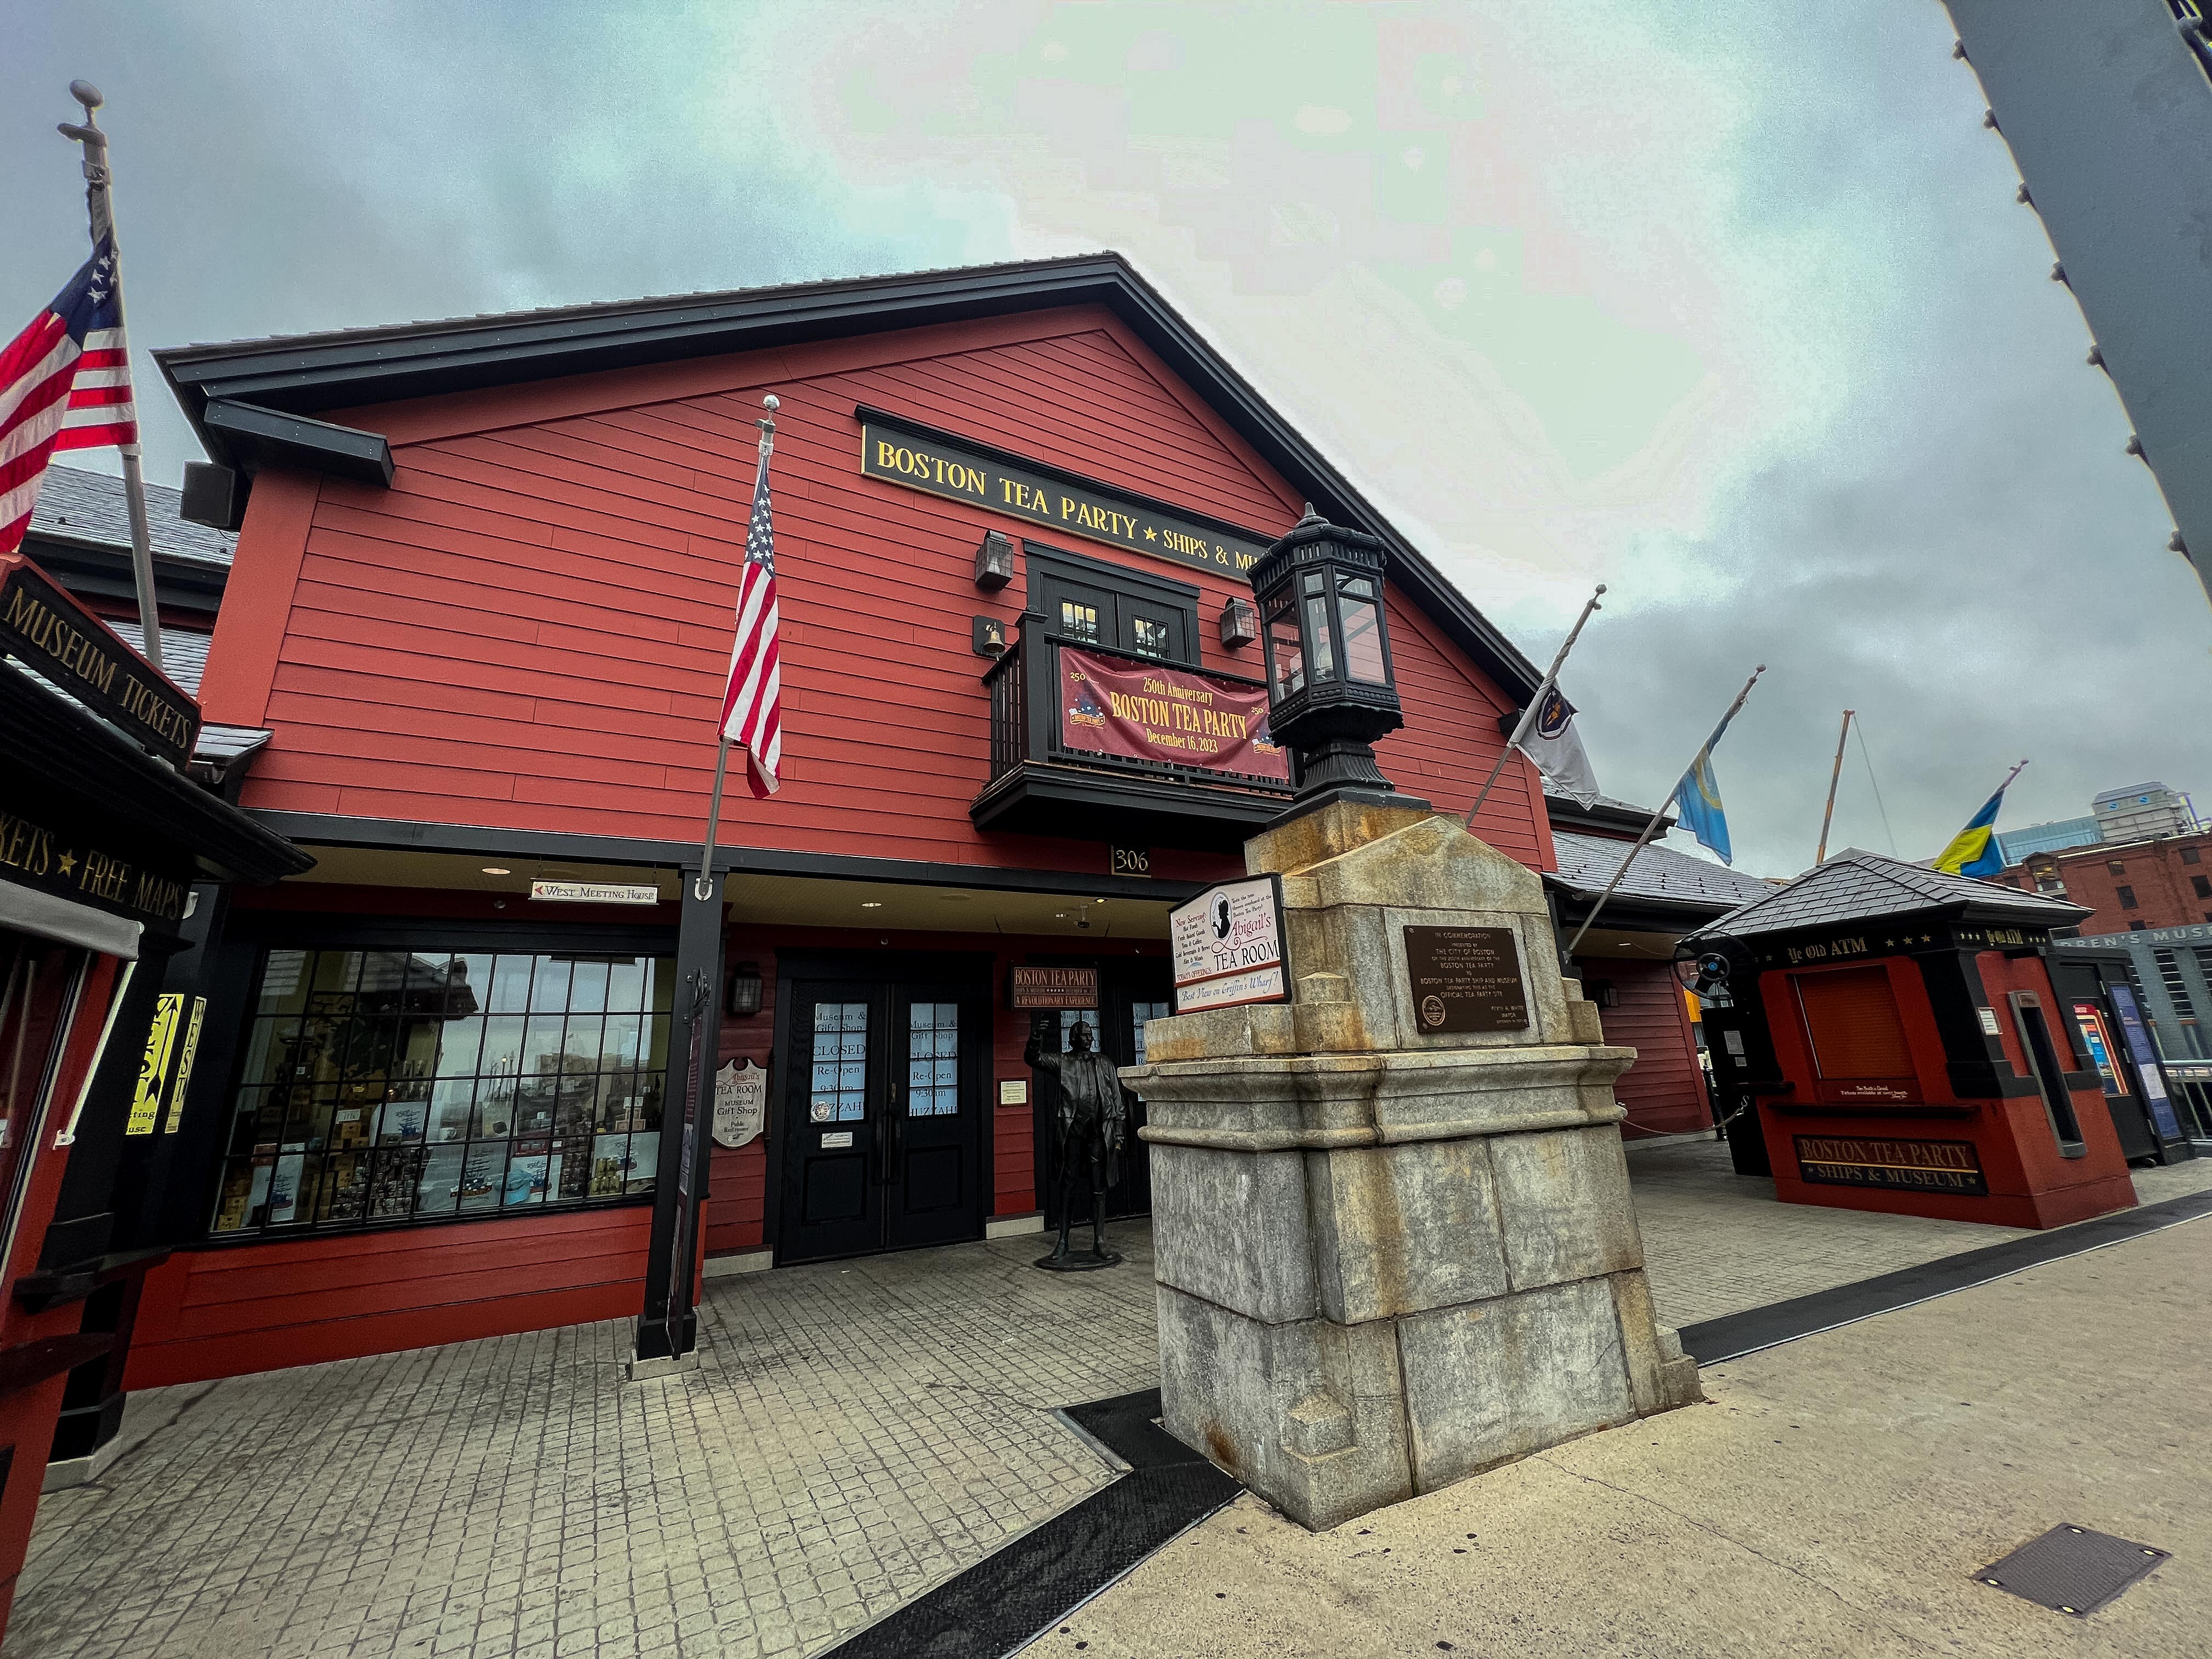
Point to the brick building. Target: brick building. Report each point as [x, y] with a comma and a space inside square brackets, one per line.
[2131, 885]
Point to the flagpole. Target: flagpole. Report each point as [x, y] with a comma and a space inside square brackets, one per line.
[1652, 827]
[1535, 705]
[1821, 852]
[703, 886]
[100, 204]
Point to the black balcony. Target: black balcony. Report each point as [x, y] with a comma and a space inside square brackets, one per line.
[1040, 786]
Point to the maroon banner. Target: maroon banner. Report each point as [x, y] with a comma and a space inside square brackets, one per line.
[1151, 712]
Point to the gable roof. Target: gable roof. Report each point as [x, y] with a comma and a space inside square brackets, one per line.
[1855, 885]
[307, 373]
[1660, 875]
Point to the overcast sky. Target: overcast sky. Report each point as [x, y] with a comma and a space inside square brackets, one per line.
[1726, 303]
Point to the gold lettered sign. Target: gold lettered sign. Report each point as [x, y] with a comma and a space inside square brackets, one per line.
[190, 1052]
[67, 645]
[37, 856]
[942, 465]
[154, 1065]
[1052, 987]
[1921, 1166]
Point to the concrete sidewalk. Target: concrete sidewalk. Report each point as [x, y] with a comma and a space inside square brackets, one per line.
[1834, 1497]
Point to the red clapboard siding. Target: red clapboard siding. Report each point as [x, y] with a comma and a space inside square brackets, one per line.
[257, 1308]
[529, 627]
[1664, 1091]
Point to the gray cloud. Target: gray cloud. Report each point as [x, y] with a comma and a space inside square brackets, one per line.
[1912, 498]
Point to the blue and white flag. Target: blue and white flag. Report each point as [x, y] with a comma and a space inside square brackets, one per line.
[1698, 797]
[1698, 803]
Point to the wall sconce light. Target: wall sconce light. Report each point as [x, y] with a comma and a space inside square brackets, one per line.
[1240, 622]
[745, 988]
[988, 635]
[994, 563]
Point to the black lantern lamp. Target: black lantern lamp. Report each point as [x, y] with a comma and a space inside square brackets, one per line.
[1240, 622]
[994, 563]
[745, 989]
[1330, 691]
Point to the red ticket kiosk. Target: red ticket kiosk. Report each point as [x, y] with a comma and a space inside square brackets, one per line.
[1926, 1065]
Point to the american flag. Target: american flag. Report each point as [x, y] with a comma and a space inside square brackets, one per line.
[752, 701]
[65, 384]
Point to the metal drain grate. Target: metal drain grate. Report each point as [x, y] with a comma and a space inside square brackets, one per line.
[2072, 1569]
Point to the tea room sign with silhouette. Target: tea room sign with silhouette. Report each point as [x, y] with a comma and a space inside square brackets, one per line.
[1227, 946]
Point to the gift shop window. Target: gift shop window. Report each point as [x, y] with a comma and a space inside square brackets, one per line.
[383, 1086]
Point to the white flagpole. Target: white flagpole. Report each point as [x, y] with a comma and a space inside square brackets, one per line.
[703, 886]
[99, 201]
[1652, 827]
[1535, 706]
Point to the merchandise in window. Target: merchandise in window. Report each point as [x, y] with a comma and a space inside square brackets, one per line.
[384, 1086]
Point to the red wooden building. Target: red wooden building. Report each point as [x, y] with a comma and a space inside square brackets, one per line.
[1626, 958]
[482, 603]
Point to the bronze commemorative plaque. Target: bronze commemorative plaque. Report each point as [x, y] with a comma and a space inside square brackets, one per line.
[1465, 979]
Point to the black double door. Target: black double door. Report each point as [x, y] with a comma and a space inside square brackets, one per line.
[1129, 995]
[883, 1115]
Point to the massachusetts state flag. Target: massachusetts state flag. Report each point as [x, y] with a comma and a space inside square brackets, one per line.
[65, 384]
[752, 701]
[1553, 743]
[1974, 850]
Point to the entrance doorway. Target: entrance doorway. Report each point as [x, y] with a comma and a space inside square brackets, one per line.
[883, 1129]
[1129, 994]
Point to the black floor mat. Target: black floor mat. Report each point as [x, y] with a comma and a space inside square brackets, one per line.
[1020, 1591]
[1733, 1336]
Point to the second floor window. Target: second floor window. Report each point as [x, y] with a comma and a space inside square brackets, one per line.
[1078, 621]
[2127, 897]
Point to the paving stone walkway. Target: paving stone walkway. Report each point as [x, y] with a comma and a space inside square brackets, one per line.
[1717, 1243]
[856, 1433]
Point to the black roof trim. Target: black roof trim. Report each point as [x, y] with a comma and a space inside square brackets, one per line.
[1603, 816]
[307, 373]
[252, 436]
[103, 777]
[101, 570]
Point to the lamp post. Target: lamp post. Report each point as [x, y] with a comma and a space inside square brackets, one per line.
[1330, 689]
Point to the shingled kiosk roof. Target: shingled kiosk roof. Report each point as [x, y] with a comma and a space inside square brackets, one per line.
[1855, 885]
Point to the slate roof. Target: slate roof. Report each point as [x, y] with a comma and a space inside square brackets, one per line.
[77, 506]
[184, 651]
[1857, 885]
[1660, 874]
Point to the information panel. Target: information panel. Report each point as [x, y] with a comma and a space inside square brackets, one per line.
[1465, 979]
[1227, 946]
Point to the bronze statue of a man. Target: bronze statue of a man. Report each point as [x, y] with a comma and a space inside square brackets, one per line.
[1092, 1121]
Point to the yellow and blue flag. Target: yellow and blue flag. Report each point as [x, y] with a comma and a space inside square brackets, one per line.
[1974, 850]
